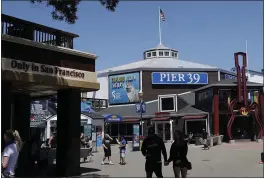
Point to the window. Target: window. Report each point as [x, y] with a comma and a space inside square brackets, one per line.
[154, 54]
[161, 54]
[167, 104]
[167, 54]
[129, 129]
[175, 54]
[84, 95]
[172, 54]
[148, 54]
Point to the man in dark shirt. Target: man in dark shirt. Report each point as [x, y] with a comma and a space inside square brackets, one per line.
[205, 135]
[152, 147]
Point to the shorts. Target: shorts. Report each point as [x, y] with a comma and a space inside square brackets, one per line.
[107, 152]
[123, 154]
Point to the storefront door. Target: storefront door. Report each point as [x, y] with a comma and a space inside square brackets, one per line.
[163, 130]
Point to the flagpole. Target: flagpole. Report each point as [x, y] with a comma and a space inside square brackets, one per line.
[159, 28]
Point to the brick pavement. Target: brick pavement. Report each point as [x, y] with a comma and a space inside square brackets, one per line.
[227, 160]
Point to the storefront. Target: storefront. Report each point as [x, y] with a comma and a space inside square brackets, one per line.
[45, 64]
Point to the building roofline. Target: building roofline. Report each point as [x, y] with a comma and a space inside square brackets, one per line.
[224, 85]
[47, 46]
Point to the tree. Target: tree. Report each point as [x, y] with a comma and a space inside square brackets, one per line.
[67, 9]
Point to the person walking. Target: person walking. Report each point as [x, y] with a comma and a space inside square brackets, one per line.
[122, 147]
[152, 147]
[107, 148]
[205, 136]
[178, 154]
[9, 155]
[18, 140]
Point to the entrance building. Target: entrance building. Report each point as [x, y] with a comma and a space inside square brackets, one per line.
[39, 61]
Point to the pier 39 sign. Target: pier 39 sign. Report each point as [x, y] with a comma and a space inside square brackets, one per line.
[180, 78]
[43, 69]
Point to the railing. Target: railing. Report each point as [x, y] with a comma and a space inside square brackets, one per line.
[36, 32]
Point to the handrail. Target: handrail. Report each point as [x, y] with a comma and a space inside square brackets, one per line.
[36, 32]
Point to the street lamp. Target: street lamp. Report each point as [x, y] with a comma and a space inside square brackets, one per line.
[140, 95]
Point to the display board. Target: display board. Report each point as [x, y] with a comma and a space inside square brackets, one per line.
[124, 88]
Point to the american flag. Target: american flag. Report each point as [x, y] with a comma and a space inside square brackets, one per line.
[162, 16]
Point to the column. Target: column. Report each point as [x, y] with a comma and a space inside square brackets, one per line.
[171, 130]
[68, 133]
[215, 111]
[6, 94]
[163, 132]
[21, 119]
[261, 100]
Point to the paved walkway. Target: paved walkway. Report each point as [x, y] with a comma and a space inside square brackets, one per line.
[227, 160]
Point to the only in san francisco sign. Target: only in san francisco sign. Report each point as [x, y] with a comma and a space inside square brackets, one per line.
[180, 78]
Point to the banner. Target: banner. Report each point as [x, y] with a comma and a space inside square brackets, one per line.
[136, 139]
[180, 78]
[39, 109]
[87, 130]
[124, 88]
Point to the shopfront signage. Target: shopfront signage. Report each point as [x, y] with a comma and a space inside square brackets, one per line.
[136, 140]
[124, 88]
[230, 77]
[180, 78]
[113, 118]
[43, 69]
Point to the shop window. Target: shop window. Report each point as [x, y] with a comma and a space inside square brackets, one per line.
[129, 129]
[114, 130]
[122, 129]
[167, 103]
[148, 54]
[154, 54]
[160, 54]
[167, 54]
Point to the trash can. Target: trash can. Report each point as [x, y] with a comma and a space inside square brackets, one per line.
[197, 141]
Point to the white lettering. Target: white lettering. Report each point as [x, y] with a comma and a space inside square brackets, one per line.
[162, 76]
[181, 77]
[168, 76]
[190, 78]
[173, 77]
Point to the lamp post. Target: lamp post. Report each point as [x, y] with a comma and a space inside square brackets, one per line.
[140, 95]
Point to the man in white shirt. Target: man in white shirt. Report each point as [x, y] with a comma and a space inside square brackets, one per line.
[9, 156]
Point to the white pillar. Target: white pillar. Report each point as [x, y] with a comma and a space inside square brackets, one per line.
[171, 130]
[163, 132]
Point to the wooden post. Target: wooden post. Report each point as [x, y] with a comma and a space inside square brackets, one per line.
[215, 111]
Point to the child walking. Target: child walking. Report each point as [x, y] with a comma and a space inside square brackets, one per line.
[122, 146]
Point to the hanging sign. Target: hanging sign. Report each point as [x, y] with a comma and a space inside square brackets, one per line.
[113, 118]
[180, 78]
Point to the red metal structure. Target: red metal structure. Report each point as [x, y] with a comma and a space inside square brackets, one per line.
[240, 104]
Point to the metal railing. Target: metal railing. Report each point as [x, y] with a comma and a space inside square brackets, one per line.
[36, 32]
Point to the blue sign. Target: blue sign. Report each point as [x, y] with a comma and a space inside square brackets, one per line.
[86, 107]
[231, 77]
[136, 139]
[113, 118]
[124, 88]
[141, 107]
[180, 78]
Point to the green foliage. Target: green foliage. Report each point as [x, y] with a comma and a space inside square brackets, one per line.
[66, 10]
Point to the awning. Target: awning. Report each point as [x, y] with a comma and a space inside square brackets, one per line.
[131, 120]
[194, 117]
[113, 118]
[160, 118]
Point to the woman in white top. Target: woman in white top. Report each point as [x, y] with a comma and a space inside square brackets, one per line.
[10, 155]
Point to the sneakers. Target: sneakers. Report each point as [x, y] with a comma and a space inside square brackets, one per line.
[102, 163]
[111, 163]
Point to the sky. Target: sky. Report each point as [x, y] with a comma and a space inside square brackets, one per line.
[203, 32]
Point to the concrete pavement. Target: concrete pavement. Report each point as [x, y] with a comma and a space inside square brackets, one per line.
[227, 160]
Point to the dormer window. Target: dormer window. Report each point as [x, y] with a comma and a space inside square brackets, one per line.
[148, 54]
[167, 54]
[175, 54]
[161, 54]
[154, 54]
[172, 54]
